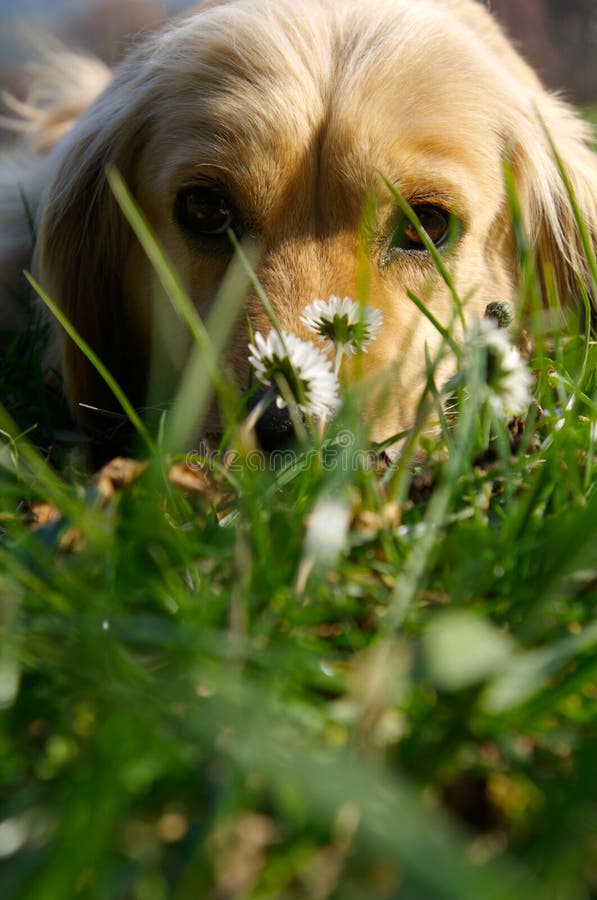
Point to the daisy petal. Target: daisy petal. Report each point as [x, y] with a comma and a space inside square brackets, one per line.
[304, 367]
[346, 323]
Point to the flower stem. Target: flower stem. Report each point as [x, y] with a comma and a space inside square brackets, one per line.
[285, 391]
[338, 358]
[260, 407]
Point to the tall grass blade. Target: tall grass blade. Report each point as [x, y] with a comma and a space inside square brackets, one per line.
[96, 362]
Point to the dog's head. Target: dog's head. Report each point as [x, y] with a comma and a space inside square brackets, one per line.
[278, 120]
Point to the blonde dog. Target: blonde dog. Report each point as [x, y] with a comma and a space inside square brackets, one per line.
[275, 118]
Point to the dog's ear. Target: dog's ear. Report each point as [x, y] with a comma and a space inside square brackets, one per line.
[554, 148]
[536, 119]
[83, 241]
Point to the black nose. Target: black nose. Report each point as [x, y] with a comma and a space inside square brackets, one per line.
[274, 427]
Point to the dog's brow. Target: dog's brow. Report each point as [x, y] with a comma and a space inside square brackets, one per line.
[448, 199]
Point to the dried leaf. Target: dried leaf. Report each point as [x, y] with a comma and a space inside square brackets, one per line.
[44, 513]
[118, 473]
[190, 478]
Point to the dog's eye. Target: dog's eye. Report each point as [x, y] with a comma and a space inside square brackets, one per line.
[204, 211]
[434, 220]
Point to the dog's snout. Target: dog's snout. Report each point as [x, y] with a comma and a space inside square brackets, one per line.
[274, 427]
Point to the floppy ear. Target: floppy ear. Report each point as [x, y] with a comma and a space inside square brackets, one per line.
[534, 114]
[545, 199]
[82, 245]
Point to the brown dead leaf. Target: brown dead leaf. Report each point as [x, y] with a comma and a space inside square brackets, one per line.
[118, 473]
[239, 847]
[44, 513]
[371, 522]
[72, 541]
[190, 478]
[204, 482]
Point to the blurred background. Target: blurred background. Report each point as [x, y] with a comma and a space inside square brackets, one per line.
[558, 38]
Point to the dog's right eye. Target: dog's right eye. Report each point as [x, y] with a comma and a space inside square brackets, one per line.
[204, 211]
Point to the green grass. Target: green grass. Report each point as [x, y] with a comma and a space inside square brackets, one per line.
[193, 707]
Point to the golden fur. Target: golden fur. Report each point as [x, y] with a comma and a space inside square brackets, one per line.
[291, 110]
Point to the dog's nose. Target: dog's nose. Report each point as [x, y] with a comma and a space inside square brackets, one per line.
[274, 427]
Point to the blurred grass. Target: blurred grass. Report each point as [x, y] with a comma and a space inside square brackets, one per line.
[188, 713]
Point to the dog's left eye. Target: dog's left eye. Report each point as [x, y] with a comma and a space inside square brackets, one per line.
[204, 211]
[434, 220]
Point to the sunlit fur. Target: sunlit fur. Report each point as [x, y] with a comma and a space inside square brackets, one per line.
[297, 108]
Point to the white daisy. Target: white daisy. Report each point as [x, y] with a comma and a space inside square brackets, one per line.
[301, 365]
[347, 324]
[326, 537]
[507, 380]
[327, 529]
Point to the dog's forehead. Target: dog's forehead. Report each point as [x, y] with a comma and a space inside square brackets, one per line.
[290, 98]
